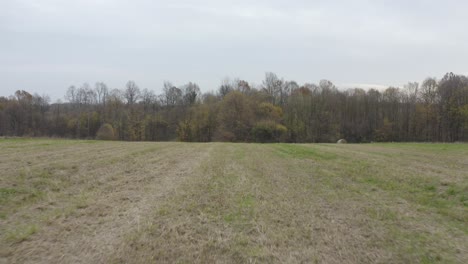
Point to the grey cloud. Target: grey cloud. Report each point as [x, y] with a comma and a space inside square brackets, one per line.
[50, 44]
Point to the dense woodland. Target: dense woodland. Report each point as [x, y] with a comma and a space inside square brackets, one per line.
[276, 111]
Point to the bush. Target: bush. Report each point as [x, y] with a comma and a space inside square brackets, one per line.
[184, 131]
[105, 132]
[268, 131]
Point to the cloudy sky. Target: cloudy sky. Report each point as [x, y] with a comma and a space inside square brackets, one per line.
[48, 45]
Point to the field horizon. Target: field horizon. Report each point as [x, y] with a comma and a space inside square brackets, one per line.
[89, 201]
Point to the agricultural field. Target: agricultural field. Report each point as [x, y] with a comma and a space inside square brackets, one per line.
[66, 201]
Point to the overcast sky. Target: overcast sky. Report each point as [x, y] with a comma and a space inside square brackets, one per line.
[48, 45]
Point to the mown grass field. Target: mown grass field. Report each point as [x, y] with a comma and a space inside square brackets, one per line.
[65, 201]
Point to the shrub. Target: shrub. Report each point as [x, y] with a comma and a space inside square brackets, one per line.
[105, 132]
[268, 131]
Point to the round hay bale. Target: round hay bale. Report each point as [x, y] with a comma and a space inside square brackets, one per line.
[342, 141]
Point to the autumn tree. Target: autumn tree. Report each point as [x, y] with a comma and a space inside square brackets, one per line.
[428, 97]
[235, 118]
[275, 111]
[452, 90]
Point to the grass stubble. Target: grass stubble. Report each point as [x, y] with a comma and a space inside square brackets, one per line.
[65, 201]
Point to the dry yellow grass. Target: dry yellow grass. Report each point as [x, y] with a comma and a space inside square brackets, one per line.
[66, 201]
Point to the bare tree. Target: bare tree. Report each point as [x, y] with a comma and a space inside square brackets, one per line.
[272, 85]
[71, 95]
[171, 95]
[428, 91]
[131, 93]
[148, 99]
[243, 86]
[191, 93]
[101, 91]
[225, 87]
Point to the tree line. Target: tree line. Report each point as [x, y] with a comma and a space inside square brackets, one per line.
[275, 111]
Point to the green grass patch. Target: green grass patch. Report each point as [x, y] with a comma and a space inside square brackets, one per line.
[303, 152]
[433, 147]
[21, 234]
[6, 194]
[243, 212]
